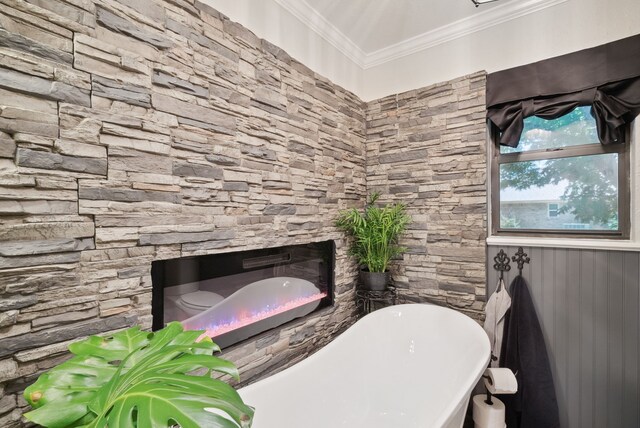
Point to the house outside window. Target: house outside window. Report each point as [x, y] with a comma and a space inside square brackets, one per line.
[561, 181]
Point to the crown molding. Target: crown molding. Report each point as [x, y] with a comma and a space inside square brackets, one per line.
[463, 27]
[325, 29]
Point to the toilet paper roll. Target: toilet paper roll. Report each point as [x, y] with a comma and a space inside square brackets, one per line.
[488, 415]
[500, 381]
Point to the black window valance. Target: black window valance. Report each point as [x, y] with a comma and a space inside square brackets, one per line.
[606, 77]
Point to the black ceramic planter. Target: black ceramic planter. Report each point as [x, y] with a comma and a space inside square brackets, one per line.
[374, 281]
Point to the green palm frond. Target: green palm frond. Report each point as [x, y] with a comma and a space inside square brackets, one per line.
[375, 232]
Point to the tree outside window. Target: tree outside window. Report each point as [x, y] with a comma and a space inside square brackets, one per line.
[560, 178]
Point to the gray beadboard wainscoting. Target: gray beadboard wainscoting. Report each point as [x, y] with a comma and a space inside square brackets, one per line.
[588, 303]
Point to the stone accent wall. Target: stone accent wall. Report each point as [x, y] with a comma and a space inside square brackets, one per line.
[427, 148]
[139, 130]
[155, 129]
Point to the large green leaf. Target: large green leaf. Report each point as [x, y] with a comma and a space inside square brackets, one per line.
[167, 399]
[116, 347]
[61, 395]
[138, 379]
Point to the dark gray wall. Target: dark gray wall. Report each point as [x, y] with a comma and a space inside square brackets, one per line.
[588, 303]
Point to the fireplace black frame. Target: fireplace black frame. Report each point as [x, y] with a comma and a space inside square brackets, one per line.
[228, 263]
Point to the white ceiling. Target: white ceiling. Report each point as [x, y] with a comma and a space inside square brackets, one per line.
[374, 32]
[377, 24]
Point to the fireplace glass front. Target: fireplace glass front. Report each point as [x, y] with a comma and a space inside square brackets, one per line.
[234, 296]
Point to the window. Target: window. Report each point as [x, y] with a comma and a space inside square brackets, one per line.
[560, 181]
[576, 226]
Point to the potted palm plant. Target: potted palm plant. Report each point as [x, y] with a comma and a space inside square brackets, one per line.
[375, 233]
[139, 379]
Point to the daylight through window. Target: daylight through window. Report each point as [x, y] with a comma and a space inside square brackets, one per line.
[561, 180]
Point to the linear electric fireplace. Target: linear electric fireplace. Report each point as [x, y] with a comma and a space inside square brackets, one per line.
[233, 296]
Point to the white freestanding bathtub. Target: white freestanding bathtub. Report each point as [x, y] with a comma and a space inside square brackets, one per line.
[399, 367]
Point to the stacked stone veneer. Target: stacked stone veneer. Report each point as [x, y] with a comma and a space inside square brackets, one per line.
[132, 131]
[427, 148]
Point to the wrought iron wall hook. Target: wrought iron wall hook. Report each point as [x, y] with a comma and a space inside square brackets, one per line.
[520, 258]
[502, 263]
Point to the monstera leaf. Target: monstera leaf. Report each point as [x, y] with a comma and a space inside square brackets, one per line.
[138, 379]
